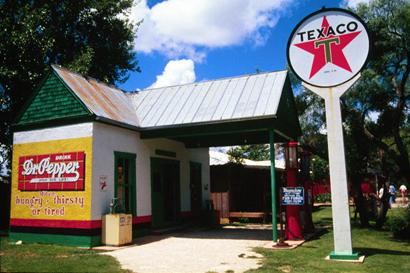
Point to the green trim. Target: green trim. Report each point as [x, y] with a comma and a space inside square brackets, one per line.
[344, 256]
[209, 129]
[287, 115]
[117, 123]
[230, 139]
[196, 163]
[273, 184]
[70, 240]
[53, 123]
[224, 133]
[132, 184]
[165, 153]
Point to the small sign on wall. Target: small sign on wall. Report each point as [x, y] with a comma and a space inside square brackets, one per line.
[103, 183]
[61, 171]
[292, 196]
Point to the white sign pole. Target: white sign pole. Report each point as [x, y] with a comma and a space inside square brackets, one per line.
[337, 167]
[327, 50]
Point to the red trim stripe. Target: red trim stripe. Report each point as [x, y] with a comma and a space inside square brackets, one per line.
[141, 219]
[186, 214]
[81, 224]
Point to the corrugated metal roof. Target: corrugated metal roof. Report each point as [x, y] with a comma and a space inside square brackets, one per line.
[231, 99]
[101, 99]
[244, 97]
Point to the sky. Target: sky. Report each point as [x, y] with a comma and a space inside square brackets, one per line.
[184, 41]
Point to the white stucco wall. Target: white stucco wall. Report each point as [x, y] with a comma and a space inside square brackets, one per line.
[54, 133]
[107, 139]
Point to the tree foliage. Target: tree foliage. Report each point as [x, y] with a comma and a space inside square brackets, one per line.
[253, 152]
[319, 168]
[93, 38]
[384, 89]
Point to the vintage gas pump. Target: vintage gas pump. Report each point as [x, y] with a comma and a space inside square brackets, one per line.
[293, 226]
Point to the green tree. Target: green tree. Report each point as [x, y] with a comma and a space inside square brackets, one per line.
[384, 90]
[253, 152]
[319, 168]
[91, 37]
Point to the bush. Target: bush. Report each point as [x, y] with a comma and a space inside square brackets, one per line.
[399, 224]
[323, 198]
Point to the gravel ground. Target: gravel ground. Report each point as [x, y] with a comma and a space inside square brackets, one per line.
[219, 250]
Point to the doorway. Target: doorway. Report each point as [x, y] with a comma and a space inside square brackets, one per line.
[196, 188]
[125, 181]
[165, 192]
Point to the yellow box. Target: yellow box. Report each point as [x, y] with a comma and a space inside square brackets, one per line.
[117, 229]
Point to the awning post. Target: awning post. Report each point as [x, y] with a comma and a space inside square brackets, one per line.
[273, 184]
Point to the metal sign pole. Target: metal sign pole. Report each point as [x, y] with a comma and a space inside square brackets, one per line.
[337, 168]
[273, 184]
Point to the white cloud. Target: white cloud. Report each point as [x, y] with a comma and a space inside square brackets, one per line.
[373, 116]
[176, 72]
[354, 3]
[187, 28]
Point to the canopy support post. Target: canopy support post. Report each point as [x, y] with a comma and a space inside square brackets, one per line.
[273, 184]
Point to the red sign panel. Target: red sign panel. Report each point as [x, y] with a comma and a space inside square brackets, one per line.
[63, 171]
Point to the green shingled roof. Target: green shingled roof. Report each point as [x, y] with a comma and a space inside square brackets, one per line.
[52, 101]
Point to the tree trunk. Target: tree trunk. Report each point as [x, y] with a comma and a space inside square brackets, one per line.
[381, 215]
[360, 202]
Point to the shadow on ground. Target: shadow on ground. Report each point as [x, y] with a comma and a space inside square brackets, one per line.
[256, 232]
[262, 233]
[233, 233]
[378, 251]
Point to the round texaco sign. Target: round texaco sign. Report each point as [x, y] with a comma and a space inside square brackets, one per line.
[328, 47]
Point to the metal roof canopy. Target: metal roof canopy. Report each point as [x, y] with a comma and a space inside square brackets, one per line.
[231, 111]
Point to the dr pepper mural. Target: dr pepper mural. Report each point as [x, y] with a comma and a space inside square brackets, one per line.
[61, 171]
[53, 185]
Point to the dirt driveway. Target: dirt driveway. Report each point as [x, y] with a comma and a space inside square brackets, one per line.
[198, 251]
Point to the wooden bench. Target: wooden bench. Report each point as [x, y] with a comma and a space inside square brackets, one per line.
[236, 214]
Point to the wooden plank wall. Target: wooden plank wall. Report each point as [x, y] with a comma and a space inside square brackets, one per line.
[221, 203]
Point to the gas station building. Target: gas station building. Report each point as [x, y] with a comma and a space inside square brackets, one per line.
[79, 143]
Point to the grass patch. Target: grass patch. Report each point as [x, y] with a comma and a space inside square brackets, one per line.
[30, 257]
[383, 253]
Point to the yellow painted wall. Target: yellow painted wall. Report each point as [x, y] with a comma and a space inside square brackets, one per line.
[42, 204]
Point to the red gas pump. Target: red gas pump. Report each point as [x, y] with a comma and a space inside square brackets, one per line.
[293, 226]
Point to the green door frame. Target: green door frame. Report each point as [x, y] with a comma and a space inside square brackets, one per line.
[132, 178]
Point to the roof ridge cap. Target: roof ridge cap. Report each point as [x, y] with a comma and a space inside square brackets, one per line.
[86, 77]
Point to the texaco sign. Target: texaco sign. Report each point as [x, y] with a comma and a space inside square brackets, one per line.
[328, 47]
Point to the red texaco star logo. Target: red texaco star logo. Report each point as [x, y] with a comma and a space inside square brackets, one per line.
[328, 49]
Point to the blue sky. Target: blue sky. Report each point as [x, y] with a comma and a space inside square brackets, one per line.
[182, 41]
